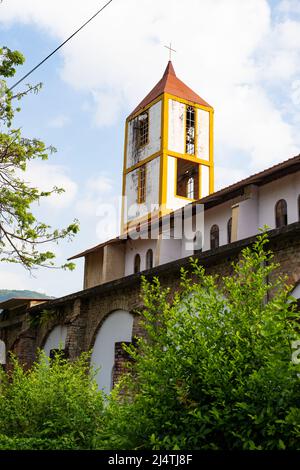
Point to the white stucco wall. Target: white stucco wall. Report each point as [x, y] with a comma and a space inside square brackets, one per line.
[287, 188]
[170, 250]
[154, 143]
[202, 134]
[218, 215]
[176, 126]
[2, 352]
[135, 210]
[115, 328]
[248, 217]
[140, 247]
[193, 235]
[56, 339]
[256, 210]
[204, 188]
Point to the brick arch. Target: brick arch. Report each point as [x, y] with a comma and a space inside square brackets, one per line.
[105, 317]
[45, 332]
[50, 330]
[105, 348]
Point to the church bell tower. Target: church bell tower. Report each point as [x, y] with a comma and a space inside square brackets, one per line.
[168, 155]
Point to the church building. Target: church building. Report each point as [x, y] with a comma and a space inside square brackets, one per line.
[170, 212]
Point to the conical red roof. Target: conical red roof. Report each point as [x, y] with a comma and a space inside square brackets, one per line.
[169, 83]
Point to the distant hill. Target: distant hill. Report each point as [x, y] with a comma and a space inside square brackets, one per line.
[9, 294]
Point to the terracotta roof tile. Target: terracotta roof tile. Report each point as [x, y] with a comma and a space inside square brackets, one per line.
[169, 83]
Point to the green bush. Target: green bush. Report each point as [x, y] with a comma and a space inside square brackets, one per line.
[214, 370]
[54, 405]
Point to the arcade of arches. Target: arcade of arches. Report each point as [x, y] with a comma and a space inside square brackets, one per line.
[105, 316]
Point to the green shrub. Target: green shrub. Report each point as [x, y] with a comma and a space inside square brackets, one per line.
[214, 370]
[54, 405]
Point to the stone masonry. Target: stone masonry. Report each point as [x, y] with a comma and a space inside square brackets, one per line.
[84, 312]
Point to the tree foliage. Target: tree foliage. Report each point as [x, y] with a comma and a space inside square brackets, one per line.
[21, 234]
[214, 370]
[54, 405]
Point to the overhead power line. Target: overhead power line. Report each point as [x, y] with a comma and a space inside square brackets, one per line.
[61, 45]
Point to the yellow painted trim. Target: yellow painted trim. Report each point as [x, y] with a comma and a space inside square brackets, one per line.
[159, 98]
[175, 186]
[143, 162]
[164, 157]
[139, 199]
[175, 178]
[200, 182]
[196, 133]
[162, 139]
[187, 156]
[164, 180]
[184, 132]
[185, 198]
[141, 219]
[151, 215]
[190, 103]
[165, 123]
[164, 153]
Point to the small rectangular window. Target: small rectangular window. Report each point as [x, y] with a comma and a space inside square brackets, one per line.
[190, 130]
[142, 129]
[141, 184]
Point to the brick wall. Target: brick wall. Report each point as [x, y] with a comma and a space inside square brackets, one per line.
[84, 312]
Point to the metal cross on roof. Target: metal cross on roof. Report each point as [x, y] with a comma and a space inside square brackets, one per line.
[170, 50]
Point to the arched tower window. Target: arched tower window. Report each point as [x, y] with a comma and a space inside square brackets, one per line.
[214, 237]
[190, 130]
[149, 259]
[190, 193]
[137, 263]
[229, 230]
[198, 242]
[281, 213]
[141, 193]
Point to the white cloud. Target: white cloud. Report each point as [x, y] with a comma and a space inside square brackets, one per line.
[100, 184]
[45, 176]
[289, 6]
[231, 52]
[59, 121]
[95, 193]
[296, 92]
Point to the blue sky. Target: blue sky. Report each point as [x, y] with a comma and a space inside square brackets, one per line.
[241, 57]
